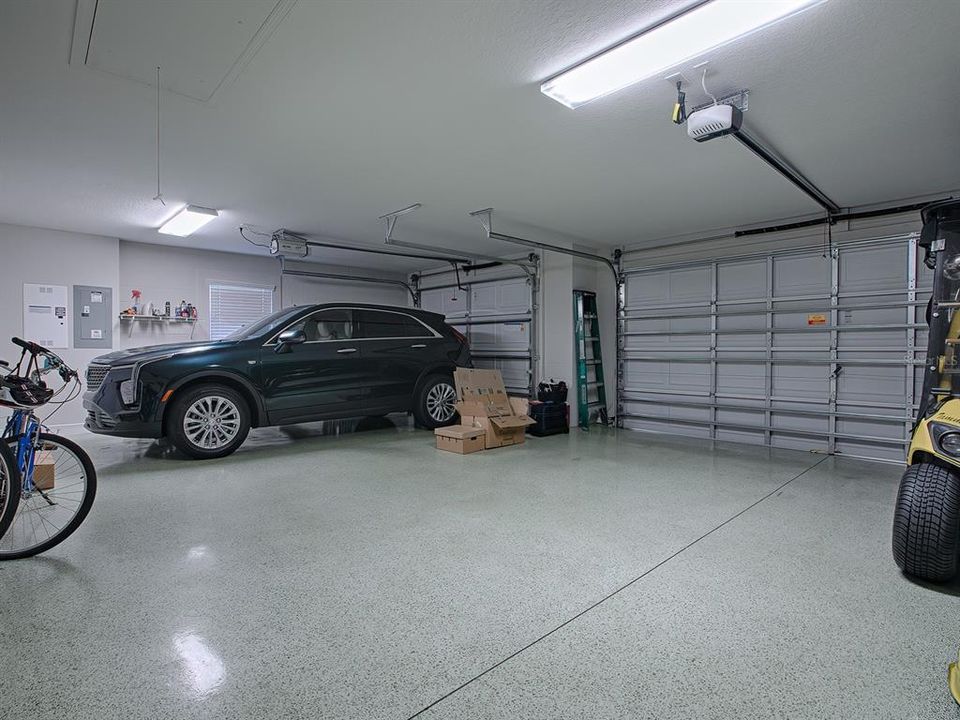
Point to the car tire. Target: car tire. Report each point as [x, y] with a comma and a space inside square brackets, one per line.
[208, 421]
[433, 405]
[926, 523]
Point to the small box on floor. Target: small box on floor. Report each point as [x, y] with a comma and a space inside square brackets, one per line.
[462, 439]
[44, 471]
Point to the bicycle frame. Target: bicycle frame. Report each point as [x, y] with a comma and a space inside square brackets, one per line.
[24, 425]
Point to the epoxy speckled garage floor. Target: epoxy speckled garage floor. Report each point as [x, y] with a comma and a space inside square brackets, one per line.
[369, 576]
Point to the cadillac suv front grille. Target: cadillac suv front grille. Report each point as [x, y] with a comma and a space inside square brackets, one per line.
[96, 375]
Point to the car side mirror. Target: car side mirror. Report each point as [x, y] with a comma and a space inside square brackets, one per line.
[289, 338]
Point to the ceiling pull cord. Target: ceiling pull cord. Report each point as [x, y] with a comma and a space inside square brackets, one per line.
[159, 195]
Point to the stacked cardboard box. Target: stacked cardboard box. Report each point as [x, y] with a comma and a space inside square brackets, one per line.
[484, 406]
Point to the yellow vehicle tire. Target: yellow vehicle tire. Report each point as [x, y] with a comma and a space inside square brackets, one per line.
[926, 523]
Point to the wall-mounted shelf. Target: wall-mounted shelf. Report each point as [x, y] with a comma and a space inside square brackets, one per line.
[154, 318]
[192, 322]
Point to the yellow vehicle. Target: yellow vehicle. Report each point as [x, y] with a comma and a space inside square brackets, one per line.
[926, 524]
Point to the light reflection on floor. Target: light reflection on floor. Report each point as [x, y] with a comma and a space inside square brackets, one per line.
[203, 672]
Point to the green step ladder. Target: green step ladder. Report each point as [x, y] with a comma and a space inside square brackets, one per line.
[589, 359]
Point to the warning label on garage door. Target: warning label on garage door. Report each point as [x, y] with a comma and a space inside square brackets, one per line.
[816, 319]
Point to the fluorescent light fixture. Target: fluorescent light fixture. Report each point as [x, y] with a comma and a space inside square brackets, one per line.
[188, 220]
[704, 28]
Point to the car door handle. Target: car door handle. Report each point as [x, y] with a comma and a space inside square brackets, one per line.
[347, 350]
[421, 345]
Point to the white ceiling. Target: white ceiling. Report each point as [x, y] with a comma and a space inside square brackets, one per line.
[348, 110]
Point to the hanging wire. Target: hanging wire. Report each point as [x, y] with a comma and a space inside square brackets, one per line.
[247, 229]
[159, 195]
[828, 236]
[703, 84]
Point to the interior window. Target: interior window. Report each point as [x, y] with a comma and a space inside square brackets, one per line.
[379, 324]
[334, 324]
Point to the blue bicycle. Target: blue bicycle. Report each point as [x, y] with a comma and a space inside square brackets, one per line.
[53, 477]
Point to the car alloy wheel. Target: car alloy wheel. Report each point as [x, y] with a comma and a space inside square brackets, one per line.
[440, 402]
[212, 422]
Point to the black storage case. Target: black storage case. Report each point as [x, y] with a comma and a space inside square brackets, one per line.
[551, 418]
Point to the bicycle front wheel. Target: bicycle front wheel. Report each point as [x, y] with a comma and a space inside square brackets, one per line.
[55, 503]
[9, 488]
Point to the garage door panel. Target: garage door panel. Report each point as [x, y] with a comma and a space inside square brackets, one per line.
[755, 321]
[855, 343]
[799, 380]
[745, 417]
[872, 316]
[667, 375]
[669, 287]
[509, 297]
[801, 275]
[865, 385]
[802, 423]
[731, 342]
[741, 378]
[877, 268]
[742, 280]
[506, 337]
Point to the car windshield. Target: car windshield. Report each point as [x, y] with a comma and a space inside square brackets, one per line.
[265, 325]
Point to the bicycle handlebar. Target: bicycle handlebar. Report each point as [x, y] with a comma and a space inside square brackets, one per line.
[29, 346]
[65, 371]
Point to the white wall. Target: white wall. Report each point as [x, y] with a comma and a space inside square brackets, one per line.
[34, 255]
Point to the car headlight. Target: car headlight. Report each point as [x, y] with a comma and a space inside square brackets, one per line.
[946, 438]
[127, 382]
[128, 391]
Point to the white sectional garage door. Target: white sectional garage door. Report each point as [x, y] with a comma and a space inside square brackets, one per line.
[495, 315]
[805, 349]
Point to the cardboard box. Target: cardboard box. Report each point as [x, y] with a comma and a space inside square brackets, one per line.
[44, 471]
[499, 431]
[483, 403]
[521, 406]
[462, 439]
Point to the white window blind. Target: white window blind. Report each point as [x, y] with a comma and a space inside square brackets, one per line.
[235, 306]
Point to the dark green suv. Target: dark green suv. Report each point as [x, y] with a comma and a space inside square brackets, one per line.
[318, 362]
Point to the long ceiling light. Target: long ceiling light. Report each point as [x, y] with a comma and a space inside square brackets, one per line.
[188, 220]
[704, 28]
